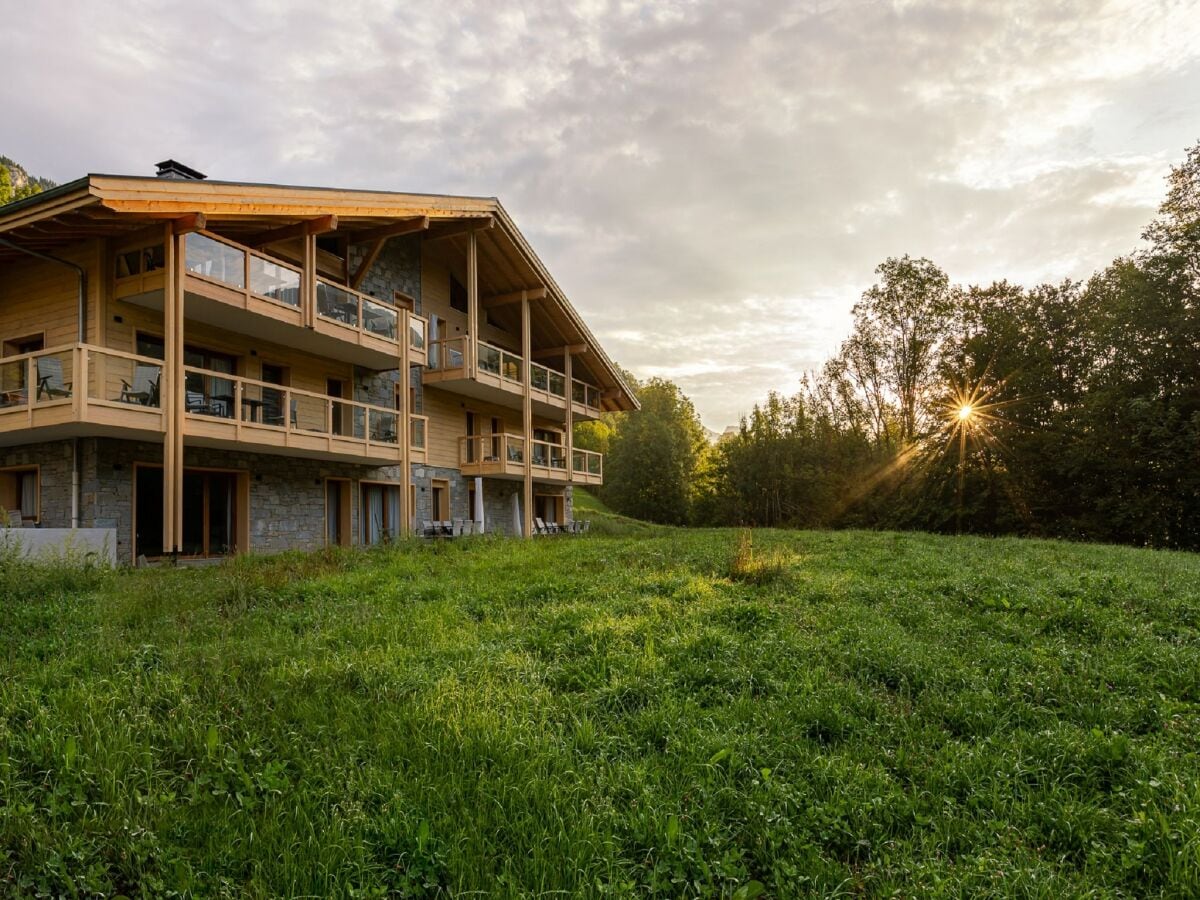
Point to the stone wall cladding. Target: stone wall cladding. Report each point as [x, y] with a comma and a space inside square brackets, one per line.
[287, 494]
[53, 459]
[398, 268]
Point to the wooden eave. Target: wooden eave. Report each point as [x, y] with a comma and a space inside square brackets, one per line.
[108, 206]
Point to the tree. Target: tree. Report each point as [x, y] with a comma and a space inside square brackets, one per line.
[899, 326]
[6, 187]
[653, 454]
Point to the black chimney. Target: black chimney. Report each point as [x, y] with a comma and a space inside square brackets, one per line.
[177, 171]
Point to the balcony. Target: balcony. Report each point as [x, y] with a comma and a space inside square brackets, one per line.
[503, 456]
[229, 411]
[241, 289]
[77, 390]
[498, 379]
[82, 390]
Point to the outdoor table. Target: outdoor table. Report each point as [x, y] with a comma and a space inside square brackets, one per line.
[251, 409]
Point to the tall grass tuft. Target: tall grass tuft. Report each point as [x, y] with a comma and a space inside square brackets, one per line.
[748, 568]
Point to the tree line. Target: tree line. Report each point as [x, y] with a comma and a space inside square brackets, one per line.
[1067, 410]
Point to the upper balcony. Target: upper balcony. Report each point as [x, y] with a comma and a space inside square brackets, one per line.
[503, 456]
[498, 379]
[83, 390]
[240, 289]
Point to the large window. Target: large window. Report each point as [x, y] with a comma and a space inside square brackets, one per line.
[458, 295]
[380, 508]
[213, 512]
[19, 495]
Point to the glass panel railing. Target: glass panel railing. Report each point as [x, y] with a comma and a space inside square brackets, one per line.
[586, 461]
[274, 281]
[417, 425]
[214, 259]
[539, 377]
[208, 394]
[14, 382]
[558, 457]
[489, 358]
[558, 384]
[514, 449]
[578, 392]
[379, 319]
[454, 353]
[337, 304]
[383, 426]
[511, 367]
[309, 413]
[124, 379]
[55, 374]
[416, 332]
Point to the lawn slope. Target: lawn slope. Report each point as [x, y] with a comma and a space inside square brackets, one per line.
[838, 713]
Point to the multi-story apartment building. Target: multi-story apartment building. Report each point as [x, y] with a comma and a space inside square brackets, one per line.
[213, 367]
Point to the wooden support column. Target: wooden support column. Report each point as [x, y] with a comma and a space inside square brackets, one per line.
[527, 414]
[172, 397]
[404, 427]
[472, 305]
[570, 423]
[308, 280]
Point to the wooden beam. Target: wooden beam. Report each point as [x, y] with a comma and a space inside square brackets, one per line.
[527, 417]
[472, 303]
[186, 224]
[451, 229]
[367, 262]
[308, 227]
[537, 293]
[383, 232]
[569, 350]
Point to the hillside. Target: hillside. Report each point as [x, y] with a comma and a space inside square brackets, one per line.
[16, 183]
[836, 713]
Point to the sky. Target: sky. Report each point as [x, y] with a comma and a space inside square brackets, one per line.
[712, 184]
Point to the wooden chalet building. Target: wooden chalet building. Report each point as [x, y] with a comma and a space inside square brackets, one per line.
[215, 367]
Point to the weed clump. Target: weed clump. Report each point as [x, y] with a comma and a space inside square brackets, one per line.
[746, 567]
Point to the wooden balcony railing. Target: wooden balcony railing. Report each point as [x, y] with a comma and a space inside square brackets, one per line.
[221, 405]
[80, 383]
[503, 369]
[504, 455]
[232, 265]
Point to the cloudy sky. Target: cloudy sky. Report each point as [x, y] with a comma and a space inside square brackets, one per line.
[713, 184]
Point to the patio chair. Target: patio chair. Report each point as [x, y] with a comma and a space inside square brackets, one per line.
[144, 387]
[195, 402]
[446, 527]
[585, 525]
[457, 528]
[427, 528]
[50, 378]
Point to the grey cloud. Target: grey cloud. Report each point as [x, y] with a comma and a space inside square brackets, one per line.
[713, 183]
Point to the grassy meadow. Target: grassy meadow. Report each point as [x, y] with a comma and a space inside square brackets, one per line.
[641, 712]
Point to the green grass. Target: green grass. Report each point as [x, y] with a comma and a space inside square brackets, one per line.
[628, 716]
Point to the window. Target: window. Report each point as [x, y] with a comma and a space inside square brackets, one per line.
[29, 344]
[140, 261]
[401, 300]
[150, 345]
[549, 507]
[215, 512]
[458, 295]
[380, 508]
[20, 495]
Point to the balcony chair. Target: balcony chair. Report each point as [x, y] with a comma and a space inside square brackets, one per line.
[427, 529]
[50, 378]
[144, 388]
[195, 402]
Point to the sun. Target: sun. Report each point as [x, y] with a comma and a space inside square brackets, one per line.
[965, 412]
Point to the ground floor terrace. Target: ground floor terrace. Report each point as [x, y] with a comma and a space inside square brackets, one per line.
[236, 501]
